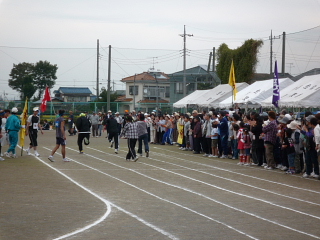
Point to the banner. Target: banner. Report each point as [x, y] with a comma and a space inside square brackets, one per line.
[232, 81]
[276, 87]
[24, 118]
[46, 98]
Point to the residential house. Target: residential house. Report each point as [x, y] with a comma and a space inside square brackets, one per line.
[194, 77]
[73, 94]
[146, 91]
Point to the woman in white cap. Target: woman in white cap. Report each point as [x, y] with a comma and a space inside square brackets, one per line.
[13, 126]
[33, 124]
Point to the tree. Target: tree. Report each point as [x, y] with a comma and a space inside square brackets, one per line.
[44, 75]
[103, 97]
[21, 79]
[244, 59]
[27, 78]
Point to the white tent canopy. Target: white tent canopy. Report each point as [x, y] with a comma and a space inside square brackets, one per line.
[303, 93]
[216, 95]
[182, 103]
[253, 95]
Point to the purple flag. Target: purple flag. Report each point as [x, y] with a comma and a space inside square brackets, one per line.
[276, 86]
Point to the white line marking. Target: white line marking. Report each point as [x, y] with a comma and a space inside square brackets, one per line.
[105, 201]
[199, 194]
[151, 194]
[231, 180]
[226, 170]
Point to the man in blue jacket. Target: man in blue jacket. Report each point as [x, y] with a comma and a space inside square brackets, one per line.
[224, 132]
[13, 126]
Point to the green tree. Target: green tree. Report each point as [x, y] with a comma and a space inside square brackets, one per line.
[27, 78]
[103, 97]
[44, 75]
[21, 78]
[244, 60]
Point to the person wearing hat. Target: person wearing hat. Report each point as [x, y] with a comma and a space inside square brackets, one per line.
[281, 156]
[119, 120]
[113, 132]
[60, 137]
[298, 146]
[33, 124]
[83, 125]
[12, 127]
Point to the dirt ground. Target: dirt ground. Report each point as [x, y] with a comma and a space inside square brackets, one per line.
[173, 194]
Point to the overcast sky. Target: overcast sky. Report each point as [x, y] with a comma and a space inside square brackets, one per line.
[65, 32]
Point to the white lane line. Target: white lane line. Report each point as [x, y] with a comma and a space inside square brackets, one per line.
[102, 218]
[149, 193]
[231, 180]
[241, 174]
[108, 203]
[199, 194]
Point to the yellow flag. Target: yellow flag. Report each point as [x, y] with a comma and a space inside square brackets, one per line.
[24, 117]
[232, 81]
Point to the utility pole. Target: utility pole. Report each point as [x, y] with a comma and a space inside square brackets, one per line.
[283, 53]
[97, 69]
[214, 59]
[113, 85]
[209, 65]
[109, 78]
[271, 52]
[184, 83]
[134, 92]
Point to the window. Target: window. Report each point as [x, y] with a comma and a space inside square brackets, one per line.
[179, 87]
[133, 90]
[167, 92]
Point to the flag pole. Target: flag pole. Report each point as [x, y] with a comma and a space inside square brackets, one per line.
[232, 98]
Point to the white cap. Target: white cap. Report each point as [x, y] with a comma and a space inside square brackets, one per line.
[14, 110]
[35, 109]
[117, 113]
[109, 111]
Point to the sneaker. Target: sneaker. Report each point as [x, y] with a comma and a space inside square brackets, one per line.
[284, 168]
[290, 171]
[116, 151]
[128, 160]
[240, 163]
[14, 156]
[247, 164]
[206, 155]
[36, 154]
[1, 159]
[215, 156]
[279, 166]
[8, 155]
[210, 155]
[223, 156]
[233, 158]
[66, 160]
[180, 148]
[305, 175]
[270, 168]
[264, 164]
[136, 159]
[28, 151]
[254, 164]
[81, 152]
[51, 158]
[185, 149]
[315, 176]
[96, 136]
[147, 154]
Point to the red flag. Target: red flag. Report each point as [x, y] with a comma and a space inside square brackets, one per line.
[46, 98]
